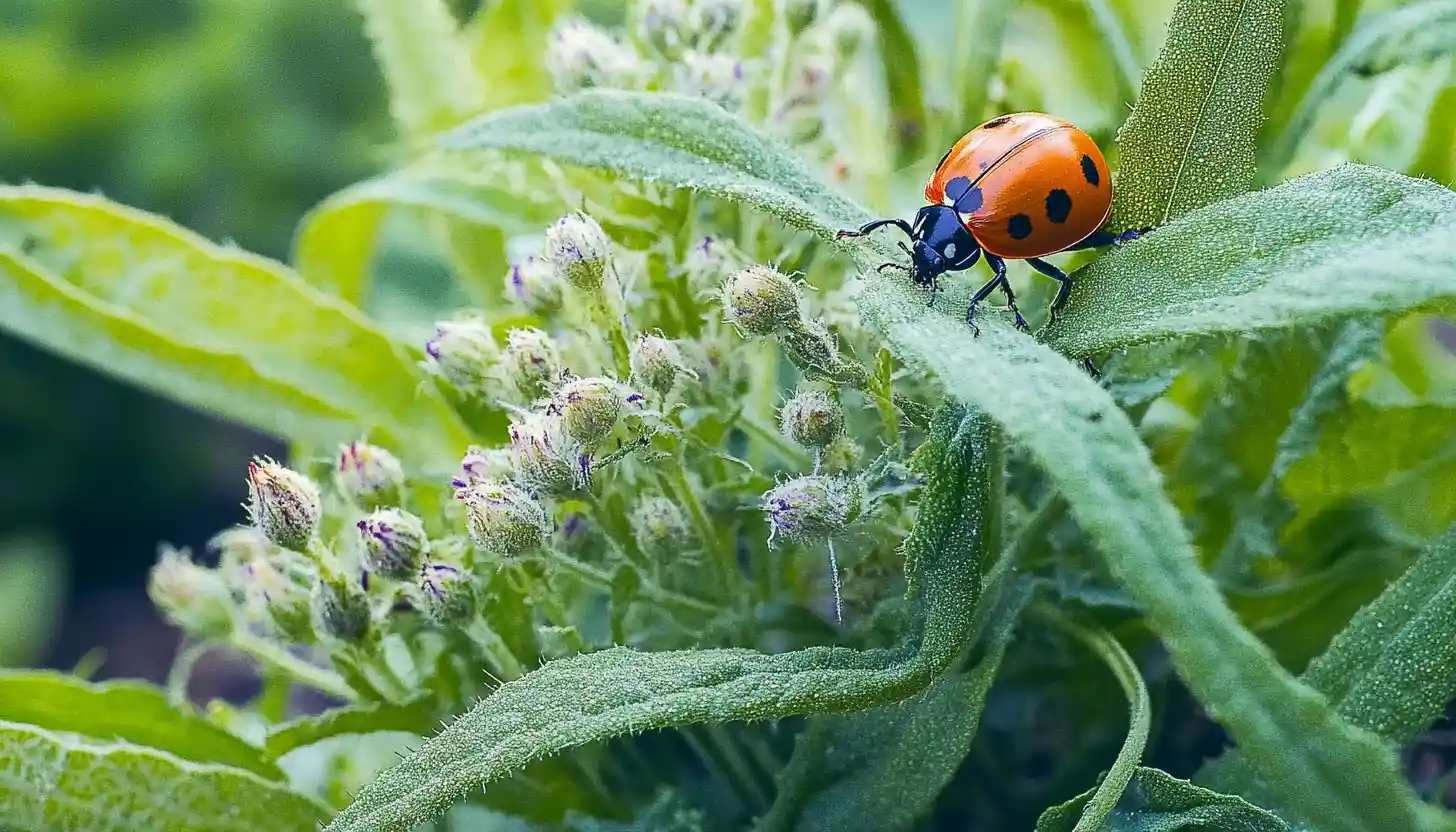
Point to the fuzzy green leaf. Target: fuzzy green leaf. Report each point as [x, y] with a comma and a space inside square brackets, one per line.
[596, 696]
[414, 717]
[1342, 776]
[508, 42]
[137, 297]
[1156, 801]
[1190, 140]
[1391, 671]
[1414, 33]
[127, 712]
[432, 82]
[1354, 239]
[890, 763]
[56, 781]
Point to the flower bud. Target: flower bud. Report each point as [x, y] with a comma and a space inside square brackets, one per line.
[715, 20]
[448, 592]
[462, 353]
[716, 77]
[580, 252]
[656, 362]
[812, 419]
[341, 609]
[663, 25]
[589, 407]
[394, 543]
[277, 591]
[504, 519]
[534, 284]
[842, 455]
[760, 301]
[485, 464]
[530, 362]
[660, 529]
[813, 507]
[581, 55]
[801, 14]
[546, 458]
[283, 504]
[369, 475]
[578, 535]
[193, 597]
[850, 29]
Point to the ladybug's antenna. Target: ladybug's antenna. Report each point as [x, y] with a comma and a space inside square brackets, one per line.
[877, 224]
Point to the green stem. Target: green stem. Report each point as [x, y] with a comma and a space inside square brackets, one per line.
[278, 658]
[614, 321]
[723, 555]
[652, 590]
[180, 676]
[490, 643]
[1034, 534]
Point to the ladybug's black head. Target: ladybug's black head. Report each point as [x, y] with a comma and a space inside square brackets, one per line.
[938, 243]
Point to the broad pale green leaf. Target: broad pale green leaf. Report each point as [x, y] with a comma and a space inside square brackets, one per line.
[1410, 34]
[432, 82]
[1355, 239]
[596, 696]
[1190, 139]
[137, 297]
[413, 717]
[1155, 801]
[58, 782]
[1391, 671]
[890, 763]
[1342, 776]
[130, 712]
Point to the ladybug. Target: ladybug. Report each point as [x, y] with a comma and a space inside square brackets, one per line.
[1020, 187]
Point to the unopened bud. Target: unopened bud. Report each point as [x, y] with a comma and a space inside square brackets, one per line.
[581, 55]
[462, 353]
[715, 20]
[530, 362]
[278, 591]
[801, 14]
[812, 419]
[660, 529]
[193, 597]
[761, 301]
[546, 458]
[656, 363]
[534, 284]
[850, 29]
[580, 252]
[394, 543]
[341, 608]
[504, 519]
[283, 504]
[485, 464]
[663, 25]
[448, 592]
[368, 474]
[812, 508]
[589, 408]
[716, 77]
[842, 455]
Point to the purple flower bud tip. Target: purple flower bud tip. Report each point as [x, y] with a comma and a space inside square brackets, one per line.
[574, 524]
[432, 348]
[363, 525]
[635, 397]
[364, 579]
[459, 484]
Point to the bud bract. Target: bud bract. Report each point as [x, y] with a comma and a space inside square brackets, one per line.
[341, 609]
[546, 457]
[485, 464]
[656, 363]
[589, 408]
[761, 301]
[448, 593]
[462, 353]
[581, 55]
[842, 455]
[660, 528]
[812, 419]
[504, 518]
[395, 543]
[283, 504]
[278, 591]
[530, 362]
[534, 284]
[580, 253]
[811, 508]
[368, 474]
[193, 597]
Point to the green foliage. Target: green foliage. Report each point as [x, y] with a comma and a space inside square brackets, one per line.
[616, 609]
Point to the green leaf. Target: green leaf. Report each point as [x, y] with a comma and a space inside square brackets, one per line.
[33, 576]
[1073, 427]
[596, 696]
[1351, 240]
[508, 41]
[1190, 141]
[890, 763]
[432, 83]
[1156, 801]
[139, 298]
[980, 33]
[1391, 671]
[414, 717]
[1414, 33]
[901, 62]
[130, 712]
[54, 781]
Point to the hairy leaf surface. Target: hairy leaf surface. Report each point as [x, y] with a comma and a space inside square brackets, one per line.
[414, 717]
[1155, 801]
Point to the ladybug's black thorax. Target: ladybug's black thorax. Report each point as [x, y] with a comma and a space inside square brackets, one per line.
[941, 244]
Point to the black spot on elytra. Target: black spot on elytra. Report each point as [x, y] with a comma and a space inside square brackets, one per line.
[1058, 206]
[1019, 227]
[1089, 171]
[966, 199]
[996, 122]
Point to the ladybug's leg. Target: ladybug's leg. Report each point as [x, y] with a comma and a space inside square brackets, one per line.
[999, 281]
[1102, 239]
[1064, 291]
[1091, 368]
